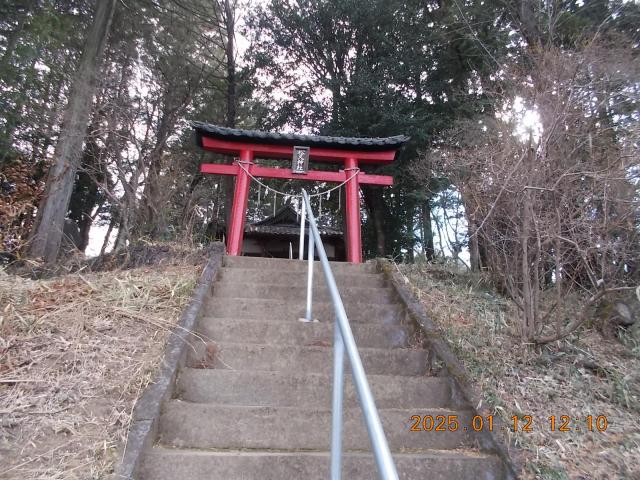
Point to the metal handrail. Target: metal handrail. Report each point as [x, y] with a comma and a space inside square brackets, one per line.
[343, 340]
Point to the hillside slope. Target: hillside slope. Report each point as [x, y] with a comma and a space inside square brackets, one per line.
[583, 375]
[75, 353]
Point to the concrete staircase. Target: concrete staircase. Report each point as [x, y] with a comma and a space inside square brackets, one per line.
[253, 401]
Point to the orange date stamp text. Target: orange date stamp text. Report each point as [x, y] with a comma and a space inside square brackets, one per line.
[524, 423]
[450, 423]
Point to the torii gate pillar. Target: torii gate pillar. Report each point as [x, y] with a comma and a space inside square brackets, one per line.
[249, 144]
[240, 202]
[354, 227]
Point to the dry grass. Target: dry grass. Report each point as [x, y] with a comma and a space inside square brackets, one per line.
[585, 374]
[75, 353]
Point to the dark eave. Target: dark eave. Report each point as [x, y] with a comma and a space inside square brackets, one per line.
[287, 230]
[290, 139]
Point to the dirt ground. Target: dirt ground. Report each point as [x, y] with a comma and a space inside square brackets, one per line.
[584, 375]
[75, 353]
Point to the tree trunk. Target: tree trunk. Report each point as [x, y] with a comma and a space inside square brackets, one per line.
[86, 195]
[427, 240]
[53, 114]
[150, 218]
[123, 233]
[228, 181]
[230, 27]
[105, 243]
[528, 324]
[114, 145]
[474, 251]
[375, 204]
[186, 211]
[211, 230]
[526, 15]
[476, 259]
[47, 235]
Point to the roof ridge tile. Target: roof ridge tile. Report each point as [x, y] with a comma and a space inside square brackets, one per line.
[368, 143]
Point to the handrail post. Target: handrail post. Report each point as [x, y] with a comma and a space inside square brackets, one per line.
[336, 407]
[311, 255]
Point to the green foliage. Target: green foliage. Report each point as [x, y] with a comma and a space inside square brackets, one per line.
[42, 42]
[376, 69]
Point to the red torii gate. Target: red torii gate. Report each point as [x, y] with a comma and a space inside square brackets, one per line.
[251, 144]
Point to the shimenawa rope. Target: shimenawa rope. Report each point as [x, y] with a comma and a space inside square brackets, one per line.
[240, 164]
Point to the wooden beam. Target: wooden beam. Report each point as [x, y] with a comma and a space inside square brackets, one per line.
[286, 151]
[286, 173]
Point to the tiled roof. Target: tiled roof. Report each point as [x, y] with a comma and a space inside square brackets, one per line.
[290, 230]
[285, 215]
[369, 144]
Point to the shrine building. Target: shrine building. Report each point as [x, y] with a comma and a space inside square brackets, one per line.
[251, 145]
[278, 236]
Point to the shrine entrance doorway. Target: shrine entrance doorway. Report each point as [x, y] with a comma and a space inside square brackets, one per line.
[249, 145]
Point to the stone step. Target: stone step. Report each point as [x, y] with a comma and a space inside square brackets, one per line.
[226, 289]
[301, 359]
[295, 308]
[294, 332]
[253, 400]
[201, 425]
[280, 277]
[308, 390]
[295, 265]
[169, 464]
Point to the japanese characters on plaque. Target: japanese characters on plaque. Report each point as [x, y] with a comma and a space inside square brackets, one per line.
[300, 161]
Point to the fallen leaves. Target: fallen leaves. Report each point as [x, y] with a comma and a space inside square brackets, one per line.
[75, 353]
